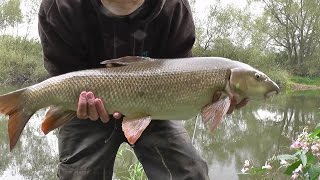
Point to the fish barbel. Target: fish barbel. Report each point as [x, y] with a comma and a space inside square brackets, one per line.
[141, 89]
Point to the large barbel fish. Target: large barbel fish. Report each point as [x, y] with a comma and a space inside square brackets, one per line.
[141, 89]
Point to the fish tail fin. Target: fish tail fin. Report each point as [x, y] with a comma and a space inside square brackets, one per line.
[215, 112]
[56, 117]
[10, 104]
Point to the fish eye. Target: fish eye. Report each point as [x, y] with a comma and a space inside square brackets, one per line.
[258, 76]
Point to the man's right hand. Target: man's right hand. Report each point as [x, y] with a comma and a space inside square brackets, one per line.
[93, 108]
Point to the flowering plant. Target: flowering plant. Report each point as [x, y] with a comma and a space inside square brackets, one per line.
[303, 163]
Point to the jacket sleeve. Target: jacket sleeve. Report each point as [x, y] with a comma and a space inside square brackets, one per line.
[182, 32]
[62, 52]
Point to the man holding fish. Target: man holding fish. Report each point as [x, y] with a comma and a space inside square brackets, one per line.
[79, 34]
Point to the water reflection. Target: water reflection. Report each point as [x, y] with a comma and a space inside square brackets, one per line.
[34, 157]
[256, 132]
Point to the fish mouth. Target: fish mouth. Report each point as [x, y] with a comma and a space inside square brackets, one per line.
[274, 89]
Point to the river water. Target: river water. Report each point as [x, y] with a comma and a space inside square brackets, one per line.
[256, 132]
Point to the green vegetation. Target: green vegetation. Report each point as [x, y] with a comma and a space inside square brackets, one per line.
[308, 93]
[306, 80]
[281, 40]
[301, 163]
[129, 168]
[21, 61]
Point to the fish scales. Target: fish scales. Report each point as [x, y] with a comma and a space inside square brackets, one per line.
[160, 88]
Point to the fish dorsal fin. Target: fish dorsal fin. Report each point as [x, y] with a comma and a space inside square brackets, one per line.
[56, 117]
[133, 128]
[215, 112]
[124, 61]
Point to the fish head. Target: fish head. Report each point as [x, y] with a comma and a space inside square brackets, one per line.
[249, 82]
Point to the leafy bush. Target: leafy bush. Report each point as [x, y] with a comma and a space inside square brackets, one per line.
[303, 162]
[20, 61]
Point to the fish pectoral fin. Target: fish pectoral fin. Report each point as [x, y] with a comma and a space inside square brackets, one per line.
[215, 112]
[56, 117]
[133, 128]
[124, 61]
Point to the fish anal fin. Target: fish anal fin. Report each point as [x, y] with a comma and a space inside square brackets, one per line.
[56, 117]
[10, 105]
[215, 112]
[133, 128]
[124, 61]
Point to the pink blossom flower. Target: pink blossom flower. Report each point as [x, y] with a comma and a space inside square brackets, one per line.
[283, 162]
[246, 166]
[305, 146]
[296, 145]
[315, 148]
[267, 166]
[299, 169]
[245, 169]
[296, 172]
[295, 175]
[246, 163]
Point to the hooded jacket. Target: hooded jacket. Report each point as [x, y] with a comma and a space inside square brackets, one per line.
[79, 34]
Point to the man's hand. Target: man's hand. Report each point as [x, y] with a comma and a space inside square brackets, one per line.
[233, 105]
[93, 108]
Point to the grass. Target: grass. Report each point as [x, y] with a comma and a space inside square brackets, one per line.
[308, 93]
[127, 165]
[306, 80]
